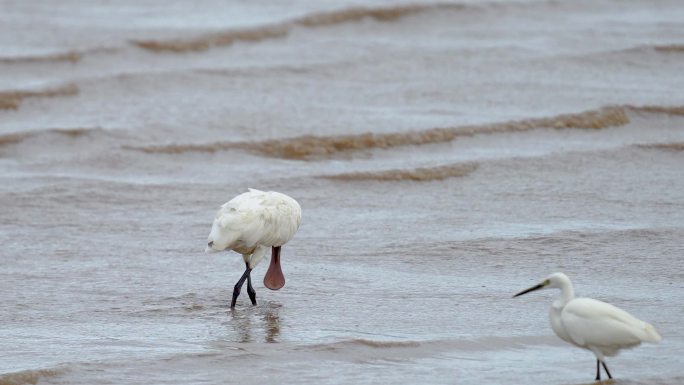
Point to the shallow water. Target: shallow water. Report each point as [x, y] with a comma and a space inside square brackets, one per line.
[446, 156]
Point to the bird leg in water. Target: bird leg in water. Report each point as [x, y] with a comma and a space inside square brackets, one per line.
[598, 370]
[274, 278]
[238, 286]
[607, 372]
[250, 290]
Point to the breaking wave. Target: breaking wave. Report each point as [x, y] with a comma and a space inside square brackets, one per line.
[669, 48]
[382, 344]
[255, 34]
[366, 343]
[341, 16]
[309, 146]
[485, 343]
[677, 146]
[70, 56]
[19, 137]
[667, 110]
[421, 174]
[10, 100]
[28, 376]
[646, 48]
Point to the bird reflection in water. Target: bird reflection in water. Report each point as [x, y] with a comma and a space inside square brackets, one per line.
[248, 322]
[272, 320]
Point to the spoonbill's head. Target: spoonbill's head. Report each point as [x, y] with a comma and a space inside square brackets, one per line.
[218, 239]
[553, 281]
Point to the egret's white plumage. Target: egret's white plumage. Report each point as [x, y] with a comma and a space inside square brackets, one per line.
[251, 224]
[592, 324]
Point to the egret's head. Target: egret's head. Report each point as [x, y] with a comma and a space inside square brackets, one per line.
[555, 280]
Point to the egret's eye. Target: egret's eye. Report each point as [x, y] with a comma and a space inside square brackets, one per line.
[546, 282]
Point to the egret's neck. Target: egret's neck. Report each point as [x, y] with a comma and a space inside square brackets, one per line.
[567, 293]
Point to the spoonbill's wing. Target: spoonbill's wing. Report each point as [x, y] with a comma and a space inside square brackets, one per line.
[261, 218]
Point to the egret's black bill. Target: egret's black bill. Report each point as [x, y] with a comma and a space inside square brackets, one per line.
[533, 288]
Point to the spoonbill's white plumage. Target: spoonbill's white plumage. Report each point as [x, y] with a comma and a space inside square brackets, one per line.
[591, 324]
[250, 224]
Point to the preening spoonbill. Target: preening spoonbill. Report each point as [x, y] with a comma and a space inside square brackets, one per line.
[591, 324]
[250, 224]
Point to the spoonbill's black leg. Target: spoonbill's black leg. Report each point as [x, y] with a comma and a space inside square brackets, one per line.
[598, 370]
[607, 372]
[238, 286]
[250, 289]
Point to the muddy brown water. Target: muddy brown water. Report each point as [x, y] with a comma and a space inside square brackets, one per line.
[446, 155]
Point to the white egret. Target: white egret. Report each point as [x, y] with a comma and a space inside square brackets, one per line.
[594, 325]
[250, 224]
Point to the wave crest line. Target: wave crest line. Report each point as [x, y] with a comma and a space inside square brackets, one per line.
[18, 137]
[310, 146]
[282, 29]
[11, 100]
[420, 174]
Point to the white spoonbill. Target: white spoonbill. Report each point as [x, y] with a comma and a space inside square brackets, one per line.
[591, 324]
[250, 224]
